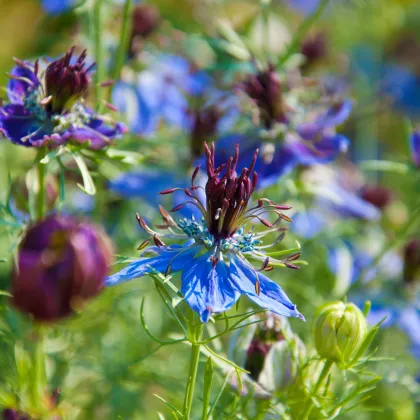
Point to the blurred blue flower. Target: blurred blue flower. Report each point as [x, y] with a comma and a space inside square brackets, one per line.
[160, 93]
[212, 259]
[56, 7]
[415, 148]
[50, 112]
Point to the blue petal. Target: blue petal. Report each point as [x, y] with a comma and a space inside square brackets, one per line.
[56, 7]
[415, 147]
[17, 89]
[409, 321]
[273, 162]
[178, 257]
[271, 295]
[309, 224]
[16, 123]
[208, 289]
[323, 151]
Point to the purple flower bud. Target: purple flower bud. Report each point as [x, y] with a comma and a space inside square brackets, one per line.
[255, 357]
[314, 48]
[145, 20]
[265, 90]
[11, 414]
[412, 261]
[203, 128]
[65, 81]
[377, 195]
[60, 262]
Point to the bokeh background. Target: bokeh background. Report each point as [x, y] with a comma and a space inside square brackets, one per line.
[102, 360]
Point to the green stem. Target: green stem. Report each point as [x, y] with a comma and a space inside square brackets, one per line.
[98, 47]
[302, 31]
[40, 199]
[39, 374]
[324, 373]
[196, 335]
[124, 42]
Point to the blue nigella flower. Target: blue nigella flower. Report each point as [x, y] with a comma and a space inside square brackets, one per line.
[160, 93]
[212, 259]
[50, 111]
[415, 148]
[297, 132]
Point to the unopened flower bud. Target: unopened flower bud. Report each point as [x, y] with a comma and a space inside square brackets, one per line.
[339, 330]
[412, 261]
[60, 262]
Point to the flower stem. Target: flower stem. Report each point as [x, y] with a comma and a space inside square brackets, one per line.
[324, 373]
[40, 197]
[196, 334]
[302, 31]
[99, 59]
[124, 40]
[39, 375]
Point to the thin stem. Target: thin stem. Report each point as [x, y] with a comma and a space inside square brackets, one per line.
[124, 42]
[302, 31]
[98, 47]
[39, 375]
[196, 334]
[324, 373]
[40, 199]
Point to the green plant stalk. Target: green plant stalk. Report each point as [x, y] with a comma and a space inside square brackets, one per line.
[302, 31]
[99, 53]
[324, 373]
[124, 42]
[40, 199]
[39, 374]
[196, 334]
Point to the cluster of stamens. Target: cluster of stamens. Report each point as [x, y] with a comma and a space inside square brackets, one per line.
[225, 215]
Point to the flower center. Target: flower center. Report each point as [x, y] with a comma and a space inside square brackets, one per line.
[66, 82]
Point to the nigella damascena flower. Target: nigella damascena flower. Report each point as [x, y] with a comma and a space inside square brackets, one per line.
[47, 108]
[60, 262]
[212, 259]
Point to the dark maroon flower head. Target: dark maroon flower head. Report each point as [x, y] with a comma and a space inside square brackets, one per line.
[227, 193]
[66, 81]
[264, 89]
[203, 128]
[412, 261]
[377, 195]
[60, 262]
[314, 48]
[255, 357]
[145, 20]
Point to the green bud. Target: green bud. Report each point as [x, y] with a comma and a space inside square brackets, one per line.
[339, 330]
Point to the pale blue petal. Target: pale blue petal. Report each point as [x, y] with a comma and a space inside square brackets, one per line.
[271, 295]
[178, 257]
[208, 289]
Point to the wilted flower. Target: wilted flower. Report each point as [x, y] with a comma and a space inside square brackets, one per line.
[269, 351]
[339, 330]
[314, 48]
[46, 108]
[212, 260]
[415, 148]
[145, 20]
[60, 261]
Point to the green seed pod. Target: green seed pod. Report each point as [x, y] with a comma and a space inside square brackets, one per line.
[339, 330]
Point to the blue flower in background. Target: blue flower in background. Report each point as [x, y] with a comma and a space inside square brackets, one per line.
[415, 148]
[160, 93]
[50, 111]
[212, 259]
[56, 7]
